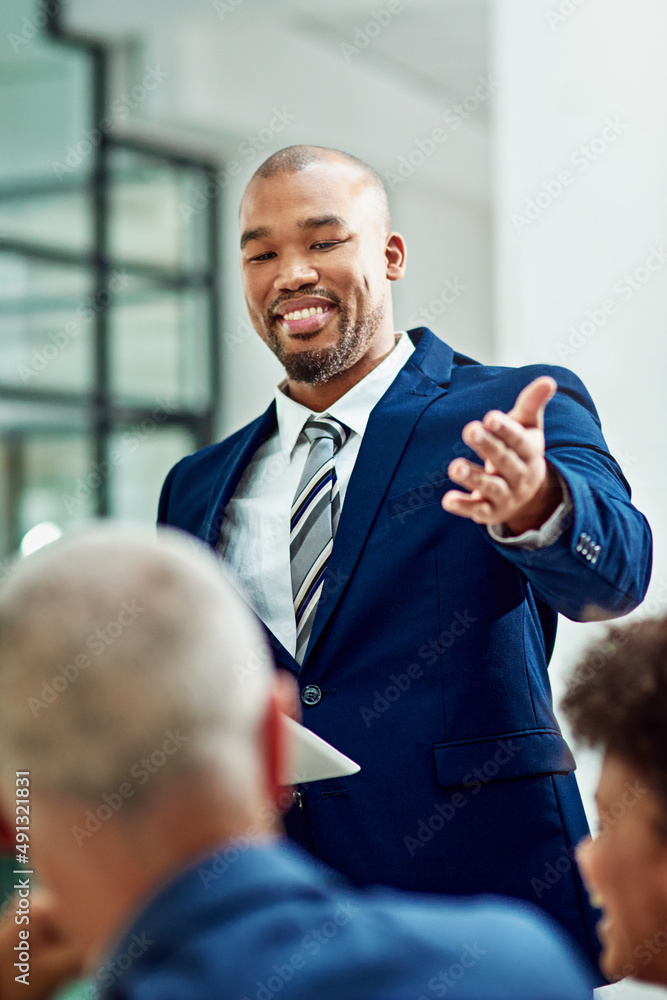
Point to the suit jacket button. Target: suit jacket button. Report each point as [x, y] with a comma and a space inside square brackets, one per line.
[311, 695]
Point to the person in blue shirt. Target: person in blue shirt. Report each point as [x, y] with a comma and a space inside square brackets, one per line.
[140, 709]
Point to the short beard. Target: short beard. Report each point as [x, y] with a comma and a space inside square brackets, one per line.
[315, 367]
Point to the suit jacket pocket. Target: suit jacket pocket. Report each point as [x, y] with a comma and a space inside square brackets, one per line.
[509, 755]
[419, 497]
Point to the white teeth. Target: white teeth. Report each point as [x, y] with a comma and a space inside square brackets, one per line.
[303, 313]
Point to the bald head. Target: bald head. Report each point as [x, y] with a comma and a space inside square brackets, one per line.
[293, 159]
[116, 647]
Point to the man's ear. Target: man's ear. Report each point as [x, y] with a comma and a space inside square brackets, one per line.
[283, 700]
[395, 253]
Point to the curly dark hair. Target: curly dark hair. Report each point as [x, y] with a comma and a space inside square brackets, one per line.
[617, 699]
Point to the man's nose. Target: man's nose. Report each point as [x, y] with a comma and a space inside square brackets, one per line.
[294, 274]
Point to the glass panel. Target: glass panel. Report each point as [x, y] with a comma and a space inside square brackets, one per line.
[46, 315]
[158, 213]
[19, 417]
[44, 108]
[159, 332]
[159, 347]
[45, 461]
[58, 487]
[8, 534]
[142, 455]
[57, 219]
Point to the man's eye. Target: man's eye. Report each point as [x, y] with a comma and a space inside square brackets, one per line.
[263, 256]
[325, 244]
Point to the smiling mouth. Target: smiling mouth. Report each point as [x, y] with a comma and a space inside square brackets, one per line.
[309, 320]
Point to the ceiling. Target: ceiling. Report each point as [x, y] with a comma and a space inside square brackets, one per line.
[372, 92]
[436, 44]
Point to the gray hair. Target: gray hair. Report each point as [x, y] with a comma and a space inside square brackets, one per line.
[115, 645]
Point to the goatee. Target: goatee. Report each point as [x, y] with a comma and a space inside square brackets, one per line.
[313, 367]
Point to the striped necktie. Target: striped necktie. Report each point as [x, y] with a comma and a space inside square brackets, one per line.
[313, 522]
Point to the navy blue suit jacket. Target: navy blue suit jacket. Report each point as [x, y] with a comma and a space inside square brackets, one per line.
[431, 641]
[253, 923]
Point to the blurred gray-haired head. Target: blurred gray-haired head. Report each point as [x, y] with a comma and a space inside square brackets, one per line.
[117, 647]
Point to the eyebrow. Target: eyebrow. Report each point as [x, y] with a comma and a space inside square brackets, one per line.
[314, 222]
[318, 221]
[254, 234]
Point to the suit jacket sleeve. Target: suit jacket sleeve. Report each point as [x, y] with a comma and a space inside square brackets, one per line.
[600, 565]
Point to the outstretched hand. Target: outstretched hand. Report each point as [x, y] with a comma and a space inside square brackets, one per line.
[516, 486]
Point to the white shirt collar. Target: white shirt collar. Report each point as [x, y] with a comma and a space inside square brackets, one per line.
[352, 409]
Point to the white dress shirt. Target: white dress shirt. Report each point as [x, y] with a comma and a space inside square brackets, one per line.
[255, 534]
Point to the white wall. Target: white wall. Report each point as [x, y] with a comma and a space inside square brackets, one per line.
[448, 282]
[563, 80]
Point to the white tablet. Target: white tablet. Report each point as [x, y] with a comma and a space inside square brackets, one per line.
[314, 758]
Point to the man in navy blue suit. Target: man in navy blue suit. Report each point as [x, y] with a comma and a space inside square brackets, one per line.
[153, 785]
[413, 591]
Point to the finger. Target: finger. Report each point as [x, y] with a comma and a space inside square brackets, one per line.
[468, 505]
[505, 460]
[460, 469]
[531, 401]
[518, 438]
[486, 485]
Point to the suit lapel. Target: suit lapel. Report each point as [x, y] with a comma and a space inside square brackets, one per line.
[223, 491]
[387, 433]
[422, 380]
[282, 656]
[234, 467]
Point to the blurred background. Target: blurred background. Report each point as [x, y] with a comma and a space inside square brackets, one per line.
[522, 144]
